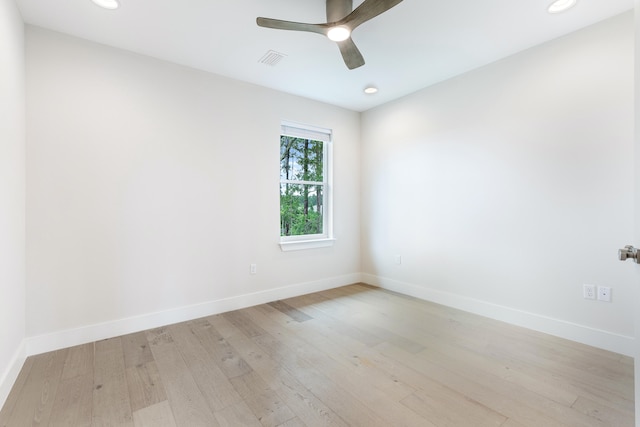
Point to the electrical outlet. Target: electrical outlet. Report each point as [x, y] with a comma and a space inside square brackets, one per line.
[398, 259]
[253, 269]
[604, 293]
[589, 291]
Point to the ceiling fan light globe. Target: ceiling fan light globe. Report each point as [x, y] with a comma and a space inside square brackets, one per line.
[561, 5]
[339, 33]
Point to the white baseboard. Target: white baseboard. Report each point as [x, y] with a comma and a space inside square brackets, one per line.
[85, 334]
[10, 375]
[594, 337]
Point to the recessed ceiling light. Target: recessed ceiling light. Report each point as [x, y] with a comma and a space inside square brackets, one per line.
[370, 90]
[561, 5]
[107, 4]
[339, 33]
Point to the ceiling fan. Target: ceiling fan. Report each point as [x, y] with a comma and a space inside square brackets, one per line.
[342, 20]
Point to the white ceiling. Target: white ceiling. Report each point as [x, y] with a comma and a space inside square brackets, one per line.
[414, 45]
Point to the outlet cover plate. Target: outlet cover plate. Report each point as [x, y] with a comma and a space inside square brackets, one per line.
[604, 293]
[589, 291]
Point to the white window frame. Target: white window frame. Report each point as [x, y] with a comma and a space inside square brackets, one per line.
[326, 239]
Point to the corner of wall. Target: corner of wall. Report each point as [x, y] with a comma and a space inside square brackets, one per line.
[10, 375]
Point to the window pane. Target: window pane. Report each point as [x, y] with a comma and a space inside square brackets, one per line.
[301, 159]
[301, 210]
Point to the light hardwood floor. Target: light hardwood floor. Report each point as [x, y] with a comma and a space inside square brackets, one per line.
[353, 356]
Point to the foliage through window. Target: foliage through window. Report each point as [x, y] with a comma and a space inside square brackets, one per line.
[303, 182]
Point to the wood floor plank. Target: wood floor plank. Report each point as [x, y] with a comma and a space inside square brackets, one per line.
[338, 398]
[489, 365]
[136, 349]
[395, 380]
[35, 402]
[530, 379]
[513, 402]
[391, 321]
[264, 402]
[294, 422]
[354, 356]
[434, 324]
[364, 399]
[79, 361]
[605, 414]
[223, 354]
[573, 353]
[244, 323]
[362, 335]
[157, 415]
[111, 404]
[440, 316]
[565, 380]
[74, 398]
[10, 402]
[238, 414]
[187, 402]
[294, 313]
[379, 329]
[212, 382]
[561, 412]
[74, 402]
[550, 388]
[351, 356]
[145, 385]
[512, 423]
[300, 399]
[436, 405]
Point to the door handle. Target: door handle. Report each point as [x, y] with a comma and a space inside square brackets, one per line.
[628, 252]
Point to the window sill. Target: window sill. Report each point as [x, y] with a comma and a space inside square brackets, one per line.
[298, 245]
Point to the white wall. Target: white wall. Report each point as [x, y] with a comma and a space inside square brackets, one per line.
[152, 188]
[12, 194]
[506, 189]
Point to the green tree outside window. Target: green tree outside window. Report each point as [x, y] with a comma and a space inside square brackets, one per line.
[302, 186]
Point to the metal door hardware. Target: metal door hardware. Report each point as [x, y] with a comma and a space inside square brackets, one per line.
[628, 252]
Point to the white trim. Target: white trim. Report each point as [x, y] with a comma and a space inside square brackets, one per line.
[617, 343]
[298, 130]
[293, 181]
[85, 334]
[10, 375]
[298, 245]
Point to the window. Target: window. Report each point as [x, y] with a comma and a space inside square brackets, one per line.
[305, 203]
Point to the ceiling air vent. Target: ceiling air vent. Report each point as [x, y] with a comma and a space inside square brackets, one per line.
[271, 58]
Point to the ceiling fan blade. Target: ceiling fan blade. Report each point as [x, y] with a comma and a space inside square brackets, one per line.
[293, 26]
[338, 9]
[350, 53]
[367, 10]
